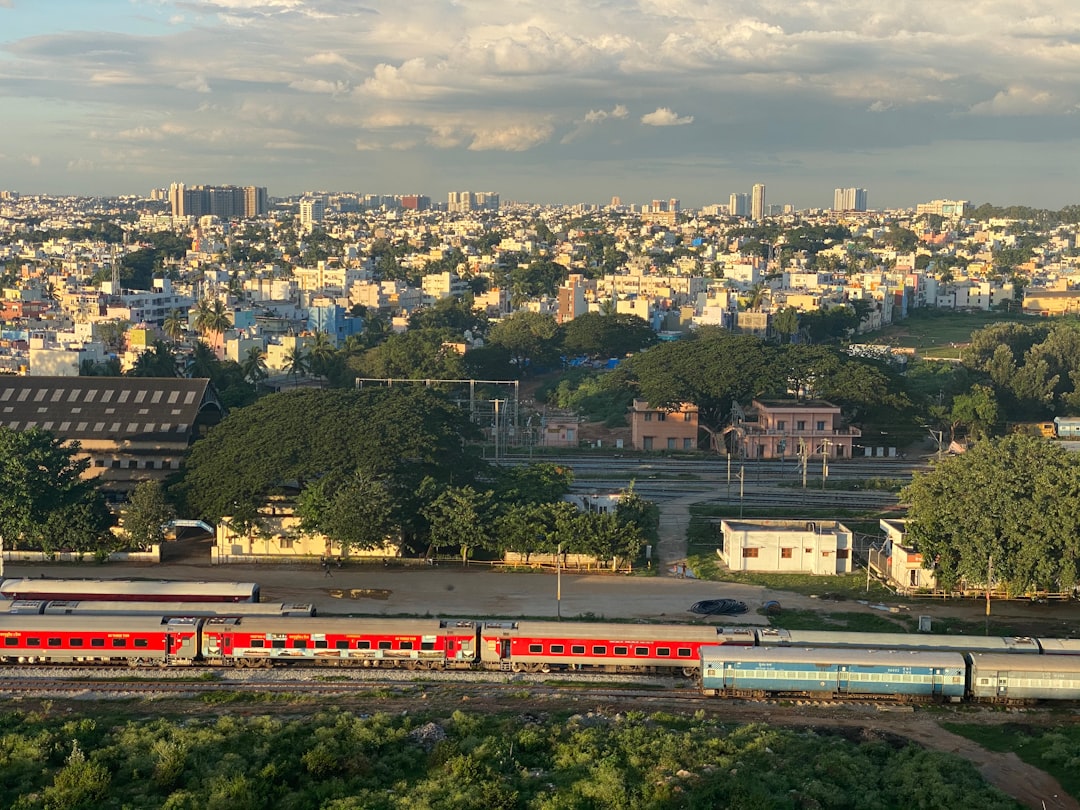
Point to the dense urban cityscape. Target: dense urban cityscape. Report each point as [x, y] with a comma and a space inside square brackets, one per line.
[539, 406]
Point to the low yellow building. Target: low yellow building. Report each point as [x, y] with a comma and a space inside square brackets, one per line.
[279, 538]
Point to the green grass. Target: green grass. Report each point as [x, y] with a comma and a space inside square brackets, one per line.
[932, 332]
[707, 565]
[1054, 750]
[850, 484]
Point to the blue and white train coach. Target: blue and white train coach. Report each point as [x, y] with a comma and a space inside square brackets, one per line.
[758, 671]
[1007, 679]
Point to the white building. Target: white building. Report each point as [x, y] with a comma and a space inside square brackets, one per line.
[787, 546]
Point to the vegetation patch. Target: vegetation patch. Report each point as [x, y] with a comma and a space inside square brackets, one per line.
[1054, 750]
[464, 761]
[849, 621]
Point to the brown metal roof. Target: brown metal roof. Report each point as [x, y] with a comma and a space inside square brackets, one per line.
[149, 409]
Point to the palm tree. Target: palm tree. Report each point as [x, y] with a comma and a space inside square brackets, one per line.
[175, 325]
[296, 362]
[254, 365]
[211, 316]
[320, 349]
[204, 362]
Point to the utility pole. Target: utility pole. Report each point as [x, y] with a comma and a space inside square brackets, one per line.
[825, 445]
[558, 583]
[728, 500]
[804, 457]
[742, 478]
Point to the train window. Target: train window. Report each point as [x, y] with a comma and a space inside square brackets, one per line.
[536, 648]
[300, 644]
[141, 642]
[76, 642]
[119, 642]
[641, 650]
[599, 649]
[405, 645]
[54, 642]
[578, 649]
[33, 642]
[11, 641]
[427, 645]
[557, 649]
[622, 650]
[341, 645]
[320, 644]
[685, 652]
[97, 642]
[257, 642]
[278, 644]
[385, 645]
[363, 645]
[663, 650]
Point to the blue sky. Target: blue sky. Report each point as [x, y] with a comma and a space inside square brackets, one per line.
[554, 101]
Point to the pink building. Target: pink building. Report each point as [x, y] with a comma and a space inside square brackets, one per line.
[781, 427]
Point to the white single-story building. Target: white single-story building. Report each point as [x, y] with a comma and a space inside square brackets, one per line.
[787, 546]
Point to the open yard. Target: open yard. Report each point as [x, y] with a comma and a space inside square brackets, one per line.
[937, 333]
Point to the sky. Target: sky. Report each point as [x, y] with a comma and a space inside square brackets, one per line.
[552, 101]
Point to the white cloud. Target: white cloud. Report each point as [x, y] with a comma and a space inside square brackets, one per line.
[666, 117]
[1022, 99]
[596, 116]
[33, 160]
[511, 138]
[879, 106]
[196, 83]
[334, 88]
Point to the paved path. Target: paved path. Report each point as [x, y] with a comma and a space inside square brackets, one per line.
[674, 522]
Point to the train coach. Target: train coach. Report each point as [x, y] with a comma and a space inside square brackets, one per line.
[1007, 679]
[832, 673]
[1013, 645]
[257, 641]
[119, 590]
[132, 640]
[546, 646]
[93, 608]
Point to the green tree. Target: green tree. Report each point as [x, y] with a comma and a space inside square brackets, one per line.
[146, 515]
[175, 325]
[297, 363]
[254, 365]
[157, 361]
[212, 317]
[358, 512]
[460, 517]
[977, 411]
[1007, 508]
[597, 335]
[405, 436]
[786, 323]
[529, 337]
[416, 354]
[44, 502]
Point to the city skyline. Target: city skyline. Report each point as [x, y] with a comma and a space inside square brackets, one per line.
[550, 103]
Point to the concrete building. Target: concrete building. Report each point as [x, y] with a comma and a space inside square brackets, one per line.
[819, 547]
[778, 428]
[757, 202]
[312, 212]
[663, 428]
[899, 563]
[739, 205]
[849, 199]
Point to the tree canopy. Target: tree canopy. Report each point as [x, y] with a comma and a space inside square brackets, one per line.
[403, 436]
[597, 335]
[1007, 508]
[44, 502]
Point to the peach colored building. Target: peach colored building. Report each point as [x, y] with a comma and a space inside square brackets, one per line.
[664, 428]
[782, 426]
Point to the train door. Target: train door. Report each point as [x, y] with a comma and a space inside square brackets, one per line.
[1002, 685]
[842, 680]
[504, 649]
